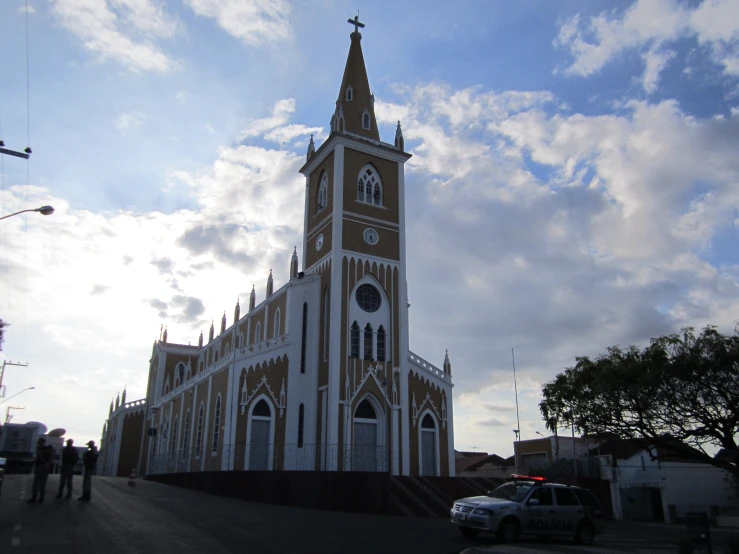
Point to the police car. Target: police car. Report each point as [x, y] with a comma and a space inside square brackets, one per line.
[531, 506]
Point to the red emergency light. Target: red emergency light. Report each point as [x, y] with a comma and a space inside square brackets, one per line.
[517, 477]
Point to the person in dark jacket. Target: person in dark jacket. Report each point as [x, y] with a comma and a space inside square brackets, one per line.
[70, 457]
[90, 461]
[41, 468]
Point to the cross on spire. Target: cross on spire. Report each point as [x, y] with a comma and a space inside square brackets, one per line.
[356, 23]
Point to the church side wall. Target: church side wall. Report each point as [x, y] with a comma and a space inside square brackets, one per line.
[130, 445]
[219, 386]
[419, 388]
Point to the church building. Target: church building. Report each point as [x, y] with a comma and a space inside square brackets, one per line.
[316, 375]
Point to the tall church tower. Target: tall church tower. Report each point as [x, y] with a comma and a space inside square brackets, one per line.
[354, 236]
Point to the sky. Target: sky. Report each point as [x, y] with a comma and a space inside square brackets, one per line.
[574, 183]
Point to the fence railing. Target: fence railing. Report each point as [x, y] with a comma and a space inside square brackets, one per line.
[271, 457]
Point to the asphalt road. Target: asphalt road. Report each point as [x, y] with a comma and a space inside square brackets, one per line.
[158, 518]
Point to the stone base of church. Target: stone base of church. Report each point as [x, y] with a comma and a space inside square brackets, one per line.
[355, 492]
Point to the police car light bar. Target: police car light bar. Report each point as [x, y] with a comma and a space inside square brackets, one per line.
[527, 477]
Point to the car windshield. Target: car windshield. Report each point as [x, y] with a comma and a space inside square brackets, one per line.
[512, 491]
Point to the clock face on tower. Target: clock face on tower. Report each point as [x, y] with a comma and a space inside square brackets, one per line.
[371, 236]
[319, 242]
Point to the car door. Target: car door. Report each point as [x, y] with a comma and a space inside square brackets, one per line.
[569, 511]
[538, 511]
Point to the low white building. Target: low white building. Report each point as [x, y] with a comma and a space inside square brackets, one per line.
[643, 489]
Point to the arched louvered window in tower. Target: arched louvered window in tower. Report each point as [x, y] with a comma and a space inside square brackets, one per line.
[369, 186]
[381, 344]
[323, 193]
[355, 340]
[368, 342]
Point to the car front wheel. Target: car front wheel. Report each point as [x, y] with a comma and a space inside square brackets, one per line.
[469, 532]
[585, 534]
[508, 531]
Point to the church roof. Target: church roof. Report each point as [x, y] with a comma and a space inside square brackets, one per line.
[355, 76]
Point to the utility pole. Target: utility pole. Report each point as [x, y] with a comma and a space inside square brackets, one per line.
[2, 371]
[8, 417]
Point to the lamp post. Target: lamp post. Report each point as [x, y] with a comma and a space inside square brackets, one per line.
[8, 417]
[16, 394]
[6, 362]
[43, 210]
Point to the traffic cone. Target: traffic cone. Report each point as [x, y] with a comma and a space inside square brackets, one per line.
[132, 479]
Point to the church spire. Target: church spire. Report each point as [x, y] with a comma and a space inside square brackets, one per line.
[311, 149]
[200, 340]
[355, 104]
[399, 142]
[270, 284]
[223, 323]
[294, 264]
[117, 400]
[123, 398]
[252, 298]
[211, 332]
[237, 311]
[447, 364]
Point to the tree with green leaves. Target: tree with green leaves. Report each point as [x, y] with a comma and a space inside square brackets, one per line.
[3, 325]
[677, 396]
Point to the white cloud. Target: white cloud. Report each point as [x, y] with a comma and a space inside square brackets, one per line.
[654, 62]
[650, 24]
[281, 114]
[253, 22]
[104, 30]
[31, 8]
[288, 133]
[128, 121]
[147, 16]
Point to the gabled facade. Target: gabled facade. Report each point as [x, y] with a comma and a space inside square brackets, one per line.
[319, 375]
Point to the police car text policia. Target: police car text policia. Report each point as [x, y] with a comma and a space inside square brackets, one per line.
[530, 505]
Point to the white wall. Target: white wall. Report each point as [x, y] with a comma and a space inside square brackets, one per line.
[689, 487]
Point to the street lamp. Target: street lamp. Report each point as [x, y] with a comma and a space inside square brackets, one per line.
[542, 436]
[43, 210]
[16, 394]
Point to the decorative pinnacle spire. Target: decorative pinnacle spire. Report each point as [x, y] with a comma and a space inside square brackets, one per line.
[311, 148]
[399, 142]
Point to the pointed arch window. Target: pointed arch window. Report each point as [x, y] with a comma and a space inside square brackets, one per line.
[199, 436]
[429, 444]
[326, 322]
[301, 421]
[304, 336]
[174, 435]
[349, 94]
[366, 121]
[216, 425]
[323, 192]
[369, 186]
[381, 344]
[355, 340]
[276, 330]
[258, 333]
[368, 342]
[186, 436]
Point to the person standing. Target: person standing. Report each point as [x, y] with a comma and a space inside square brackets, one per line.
[90, 461]
[41, 467]
[70, 457]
